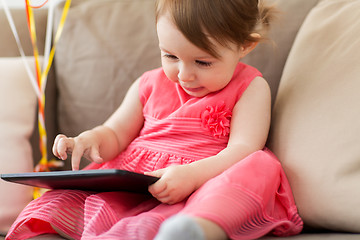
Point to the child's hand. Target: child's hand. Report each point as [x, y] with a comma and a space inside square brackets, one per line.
[175, 183]
[86, 144]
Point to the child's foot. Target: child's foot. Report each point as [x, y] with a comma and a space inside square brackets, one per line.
[180, 227]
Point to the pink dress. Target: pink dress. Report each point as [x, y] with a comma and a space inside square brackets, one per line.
[251, 199]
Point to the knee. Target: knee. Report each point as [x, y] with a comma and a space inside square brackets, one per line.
[265, 158]
[257, 165]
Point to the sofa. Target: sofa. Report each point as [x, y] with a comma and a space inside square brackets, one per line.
[312, 64]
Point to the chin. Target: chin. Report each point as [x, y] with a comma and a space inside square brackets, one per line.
[197, 94]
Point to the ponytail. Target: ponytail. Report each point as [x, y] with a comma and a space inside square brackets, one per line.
[267, 15]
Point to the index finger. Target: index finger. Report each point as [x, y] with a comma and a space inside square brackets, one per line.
[76, 157]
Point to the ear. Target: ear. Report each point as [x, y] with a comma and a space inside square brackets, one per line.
[247, 47]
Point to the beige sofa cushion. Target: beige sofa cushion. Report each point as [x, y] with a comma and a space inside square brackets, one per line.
[104, 47]
[270, 57]
[316, 120]
[18, 107]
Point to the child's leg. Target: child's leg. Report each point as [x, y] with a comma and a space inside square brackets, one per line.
[55, 208]
[249, 200]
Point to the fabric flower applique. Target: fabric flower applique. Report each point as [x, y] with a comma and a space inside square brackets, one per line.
[217, 120]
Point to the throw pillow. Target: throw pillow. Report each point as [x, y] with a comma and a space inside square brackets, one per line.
[316, 120]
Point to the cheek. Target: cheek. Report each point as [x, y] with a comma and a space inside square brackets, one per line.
[216, 80]
[170, 71]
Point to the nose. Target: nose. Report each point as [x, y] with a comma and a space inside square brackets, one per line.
[185, 73]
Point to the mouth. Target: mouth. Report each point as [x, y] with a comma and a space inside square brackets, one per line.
[194, 90]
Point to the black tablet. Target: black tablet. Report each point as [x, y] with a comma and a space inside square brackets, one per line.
[101, 180]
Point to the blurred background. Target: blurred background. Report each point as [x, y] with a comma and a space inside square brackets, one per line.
[21, 3]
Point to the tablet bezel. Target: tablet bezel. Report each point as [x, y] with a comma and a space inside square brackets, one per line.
[99, 180]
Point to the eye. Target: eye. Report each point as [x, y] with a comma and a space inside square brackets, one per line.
[203, 63]
[170, 56]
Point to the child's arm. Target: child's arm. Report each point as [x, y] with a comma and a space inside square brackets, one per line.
[106, 141]
[248, 133]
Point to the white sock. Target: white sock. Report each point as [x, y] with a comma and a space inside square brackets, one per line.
[180, 227]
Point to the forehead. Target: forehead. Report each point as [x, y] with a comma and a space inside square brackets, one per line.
[172, 40]
[166, 29]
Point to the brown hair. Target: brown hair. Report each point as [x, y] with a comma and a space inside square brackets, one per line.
[223, 20]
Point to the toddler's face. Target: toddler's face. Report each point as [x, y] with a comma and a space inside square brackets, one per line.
[197, 72]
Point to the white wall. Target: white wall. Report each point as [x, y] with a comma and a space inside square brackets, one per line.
[21, 3]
